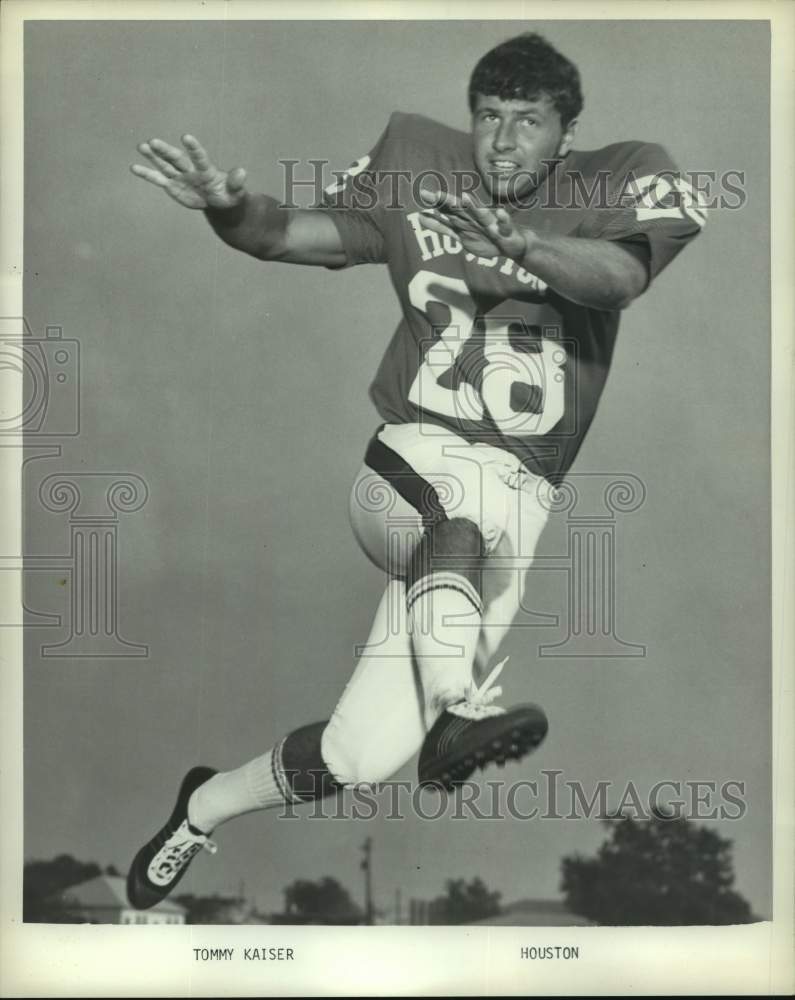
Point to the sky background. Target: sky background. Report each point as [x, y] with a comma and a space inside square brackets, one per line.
[237, 391]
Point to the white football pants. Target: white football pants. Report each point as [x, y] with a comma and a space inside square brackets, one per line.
[377, 725]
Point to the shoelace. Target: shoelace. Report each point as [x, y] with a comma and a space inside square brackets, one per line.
[178, 850]
[478, 702]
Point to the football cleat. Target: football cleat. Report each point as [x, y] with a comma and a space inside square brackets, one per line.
[473, 733]
[164, 859]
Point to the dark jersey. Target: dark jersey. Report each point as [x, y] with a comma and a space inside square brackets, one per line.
[484, 347]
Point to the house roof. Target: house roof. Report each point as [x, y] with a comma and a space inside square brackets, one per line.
[110, 892]
[534, 913]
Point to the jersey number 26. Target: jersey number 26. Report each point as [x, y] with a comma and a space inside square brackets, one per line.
[502, 369]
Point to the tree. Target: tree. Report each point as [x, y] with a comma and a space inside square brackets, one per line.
[214, 909]
[463, 903]
[44, 880]
[323, 902]
[662, 871]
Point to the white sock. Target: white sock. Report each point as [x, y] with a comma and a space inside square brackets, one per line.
[444, 615]
[259, 784]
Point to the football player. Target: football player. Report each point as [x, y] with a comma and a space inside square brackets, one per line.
[512, 255]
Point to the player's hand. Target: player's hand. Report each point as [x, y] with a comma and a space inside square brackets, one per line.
[485, 232]
[188, 176]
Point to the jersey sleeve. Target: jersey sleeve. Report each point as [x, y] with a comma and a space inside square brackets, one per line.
[354, 204]
[651, 208]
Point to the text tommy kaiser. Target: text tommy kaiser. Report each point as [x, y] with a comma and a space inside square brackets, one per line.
[249, 954]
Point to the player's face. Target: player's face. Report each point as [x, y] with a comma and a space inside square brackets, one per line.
[512, 139]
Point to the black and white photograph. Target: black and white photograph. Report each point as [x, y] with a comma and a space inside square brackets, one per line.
[396, 599]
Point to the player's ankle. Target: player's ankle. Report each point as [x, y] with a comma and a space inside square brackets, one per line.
[439, 700]
[198, 817]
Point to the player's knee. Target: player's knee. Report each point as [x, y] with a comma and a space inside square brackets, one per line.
[349, 761]
[456, 536]
[449, 546]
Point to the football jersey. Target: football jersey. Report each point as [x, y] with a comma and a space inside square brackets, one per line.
[485, 348]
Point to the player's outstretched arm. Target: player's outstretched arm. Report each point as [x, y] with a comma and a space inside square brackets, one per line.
[596, 273]
[252, 223]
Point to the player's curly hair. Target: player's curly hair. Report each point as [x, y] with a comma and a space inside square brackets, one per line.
[524, 68]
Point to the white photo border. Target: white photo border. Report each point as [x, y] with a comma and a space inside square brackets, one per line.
[68, 960]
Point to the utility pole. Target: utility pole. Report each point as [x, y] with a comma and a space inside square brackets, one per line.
[366, 866]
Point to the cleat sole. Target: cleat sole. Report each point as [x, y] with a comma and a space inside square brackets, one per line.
[452, 769]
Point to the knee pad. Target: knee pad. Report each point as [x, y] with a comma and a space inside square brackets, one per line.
[303, 765]
[455, 536]
[449, 555]
[455, 545]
